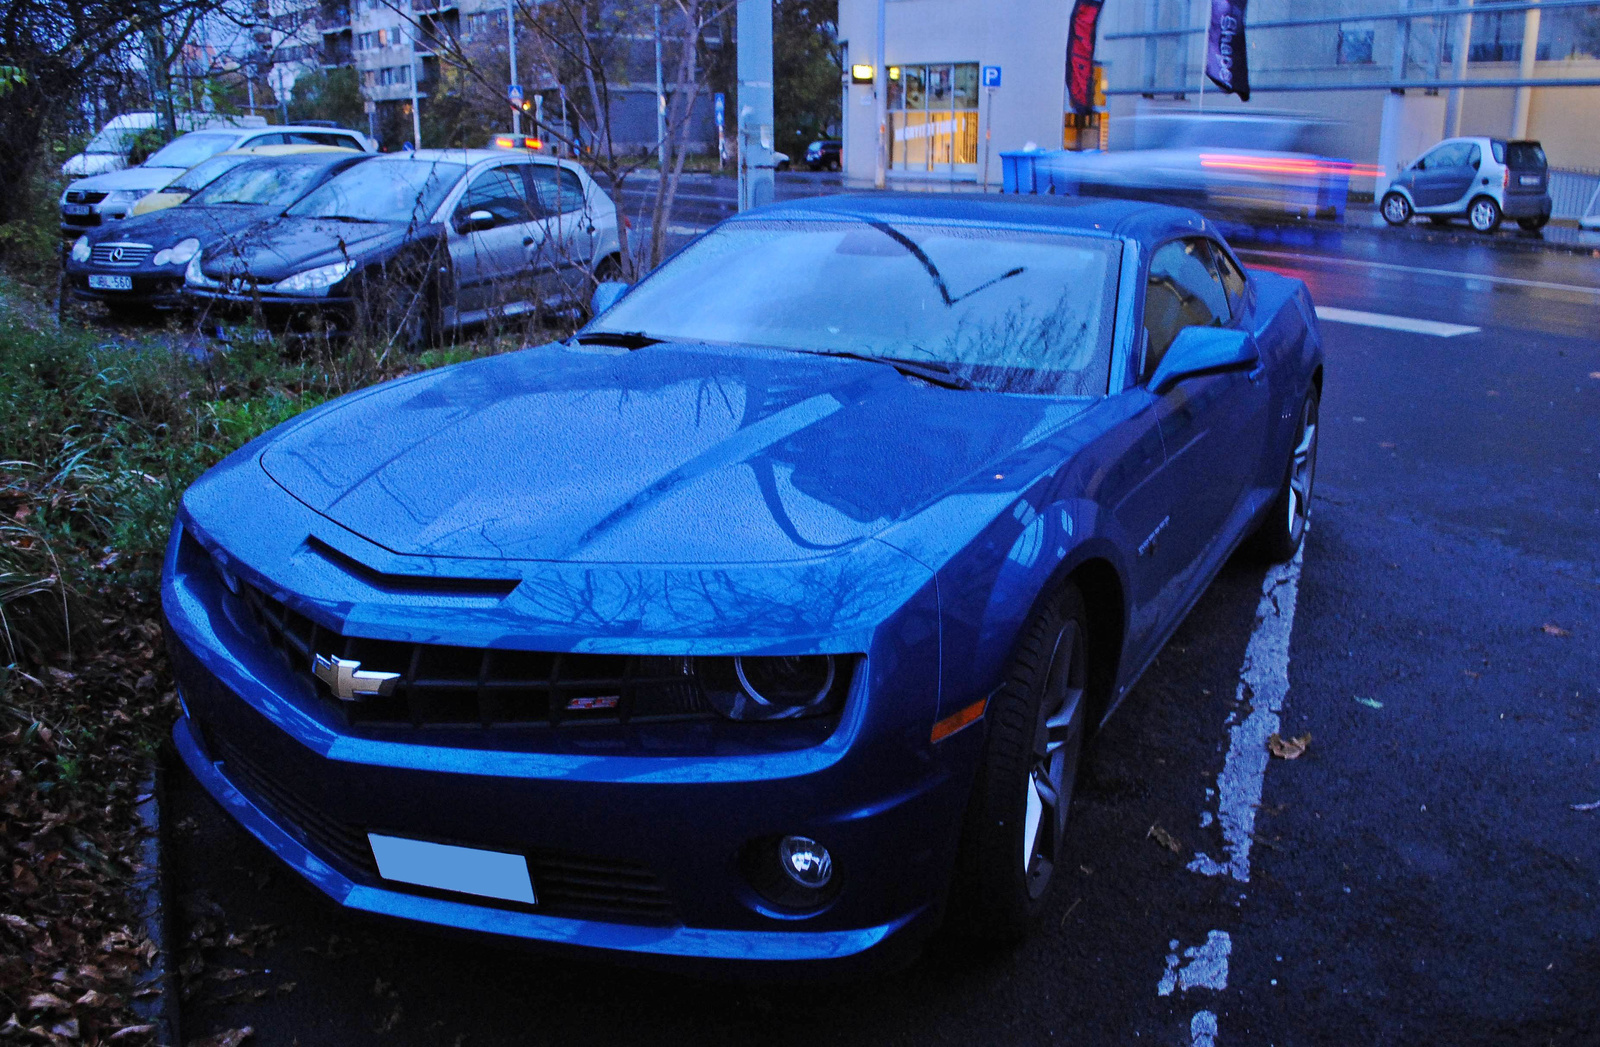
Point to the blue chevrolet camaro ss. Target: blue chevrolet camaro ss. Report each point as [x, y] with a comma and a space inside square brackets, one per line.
[763, 621]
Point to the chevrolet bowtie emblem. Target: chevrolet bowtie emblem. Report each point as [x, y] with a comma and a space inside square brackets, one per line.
[348, 681]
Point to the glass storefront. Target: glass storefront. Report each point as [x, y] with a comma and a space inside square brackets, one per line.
[933, 118]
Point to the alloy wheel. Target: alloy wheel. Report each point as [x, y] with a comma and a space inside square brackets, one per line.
[1485, 215]
[1055, 758]
[1303, 471]
[1395, 209]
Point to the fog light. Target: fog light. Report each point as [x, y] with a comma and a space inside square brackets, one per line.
[806, 861]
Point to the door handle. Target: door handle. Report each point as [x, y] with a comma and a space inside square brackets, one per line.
[527, 241]
[1255, 376]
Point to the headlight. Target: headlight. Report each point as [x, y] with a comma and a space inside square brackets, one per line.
[195, 278]
[774, 687]
[178, 253]
[80, 250]
[120, 198]
[314, 280]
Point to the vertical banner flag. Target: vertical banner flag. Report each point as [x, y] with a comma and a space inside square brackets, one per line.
[1226, 63]
[1080, 55]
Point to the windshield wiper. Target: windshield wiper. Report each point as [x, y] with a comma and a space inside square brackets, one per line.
[622, 339]
[930, 371]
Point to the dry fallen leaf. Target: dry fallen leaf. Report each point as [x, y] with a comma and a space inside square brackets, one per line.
[1555, 630]
[231, 1038]
[1586, 806]
[1288, 748]
[1164, 838]
[131, 1030]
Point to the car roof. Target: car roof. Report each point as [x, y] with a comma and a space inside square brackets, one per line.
[1093, 216]
[286, 150]
[469, 156]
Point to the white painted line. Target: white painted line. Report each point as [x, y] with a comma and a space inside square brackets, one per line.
[1263, 685]
[1207, 966]
[1393, 323]
[1361, 263]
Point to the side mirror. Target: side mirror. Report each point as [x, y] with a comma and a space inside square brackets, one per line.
[605, 296]
[472, 223]
[1203, 350]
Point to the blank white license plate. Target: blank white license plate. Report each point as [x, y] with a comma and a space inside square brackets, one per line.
[1530, 179]
[489, 874]
[110, 282]
[74, 208]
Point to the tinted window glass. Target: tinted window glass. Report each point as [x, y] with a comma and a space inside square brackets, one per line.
[1474, 155]
[1524, 155]
[1182, 291]
[384, 191]
[319, 138]
[502, 193]
[558, 190]
[192, 148]
[275, 182]
[1012, 311]
[277, 139]
[204, 173]
[1232, 279]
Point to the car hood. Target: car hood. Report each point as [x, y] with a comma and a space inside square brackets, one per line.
[86, 164]
[673, 454]
[293, 244]
[166, 227]
[140, 178]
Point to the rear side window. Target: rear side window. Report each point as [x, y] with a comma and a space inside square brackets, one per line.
[1182, 290]
[1524, 155]
[320, 138]
[557, 189]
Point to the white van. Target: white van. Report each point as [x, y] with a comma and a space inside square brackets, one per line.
[108, 150]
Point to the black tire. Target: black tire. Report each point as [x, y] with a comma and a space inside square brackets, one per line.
[1278, 537]
[1034, 736]
[401, 320]
[1396, 209]
[1533, 225]
[1483, 214]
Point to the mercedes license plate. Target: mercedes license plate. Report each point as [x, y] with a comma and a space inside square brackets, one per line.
[110, 282]
[77, 209]
[446, 867]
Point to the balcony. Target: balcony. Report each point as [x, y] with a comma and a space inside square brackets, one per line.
[334, 18]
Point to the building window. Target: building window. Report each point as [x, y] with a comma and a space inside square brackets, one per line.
[1355, 43]
[933, 116]
[480, 22]
[394, 74]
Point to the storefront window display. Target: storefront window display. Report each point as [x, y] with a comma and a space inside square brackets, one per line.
[933, 117]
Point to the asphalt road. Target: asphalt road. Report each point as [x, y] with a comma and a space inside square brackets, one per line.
[1418, 876]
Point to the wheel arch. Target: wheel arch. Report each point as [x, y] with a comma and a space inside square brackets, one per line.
[1105, 602]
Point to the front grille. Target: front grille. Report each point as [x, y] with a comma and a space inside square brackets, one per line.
[78, 196]
[125, 254]
[565, 884]
[444, 686]
[81, 219]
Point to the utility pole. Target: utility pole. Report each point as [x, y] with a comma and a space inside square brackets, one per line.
[880, 101]
[755, 103]
[1458, 71]
[416, 108]
[511, 48]
[1530, 52]
[661, 102]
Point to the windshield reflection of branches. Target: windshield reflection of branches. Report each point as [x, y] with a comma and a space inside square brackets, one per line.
[1029, 350]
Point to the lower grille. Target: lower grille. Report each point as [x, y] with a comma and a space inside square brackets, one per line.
[81, 219]
[477, 687]
[119, 254]
[565, 884]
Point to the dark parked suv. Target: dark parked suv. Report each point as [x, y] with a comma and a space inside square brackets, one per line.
[1479, 179]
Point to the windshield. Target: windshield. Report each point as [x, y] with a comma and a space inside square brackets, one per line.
[192, 148]
[204, 173]
[279, 182]
[115, 140]
[384, 191]
[1005, 310]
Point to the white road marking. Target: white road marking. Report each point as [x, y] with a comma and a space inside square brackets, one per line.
[1263, 685]
[1393, 323]
[1508, 281]
[1207, 966]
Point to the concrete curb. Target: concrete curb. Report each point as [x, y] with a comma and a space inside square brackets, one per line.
[153, 887]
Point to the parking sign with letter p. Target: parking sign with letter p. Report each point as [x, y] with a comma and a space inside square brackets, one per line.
[991, 76]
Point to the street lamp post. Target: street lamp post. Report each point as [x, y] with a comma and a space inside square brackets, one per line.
[880, 92]
[511, 48]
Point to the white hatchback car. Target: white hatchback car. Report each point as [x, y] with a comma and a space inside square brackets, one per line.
[1479, 179]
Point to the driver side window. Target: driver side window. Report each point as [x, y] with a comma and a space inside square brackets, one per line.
[502, 193]
[1181, 291]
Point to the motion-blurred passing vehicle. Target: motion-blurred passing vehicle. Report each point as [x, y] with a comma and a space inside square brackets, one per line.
[141, 261]
[1479, 179]
[413, 243]
[762, 622]
[109, 197]
[824, 155]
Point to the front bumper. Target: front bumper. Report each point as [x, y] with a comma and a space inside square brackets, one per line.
[885, 803]
[162, 290]
[277, 310]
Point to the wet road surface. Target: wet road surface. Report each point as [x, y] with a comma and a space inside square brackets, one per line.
[1418, 875]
